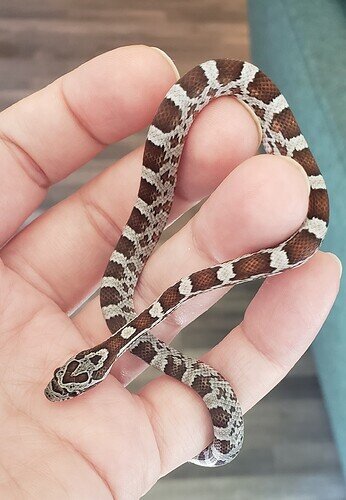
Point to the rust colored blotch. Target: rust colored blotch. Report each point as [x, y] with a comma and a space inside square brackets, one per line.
[170, 297]
[113, 344]
[175, 367]
[252, 266]
[307, 161]
[223, 447]
[137, 221]
[301, 246]
[201, 385]
[147, 192]
[114, 269]
[228, 70]
[286, 123]
[204, 279]
[144, 320]
[168, 116]
[194, 82]
[109, 296]
[263, 88]
[145, 351]
[115, 323]
[319, 204]
[220, 417]
[153, 156]
[125, 246]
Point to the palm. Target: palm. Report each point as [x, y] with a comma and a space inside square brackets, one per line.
[109, 442]
[35, 435]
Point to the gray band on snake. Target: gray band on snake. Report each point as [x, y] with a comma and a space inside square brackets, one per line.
[163, 148]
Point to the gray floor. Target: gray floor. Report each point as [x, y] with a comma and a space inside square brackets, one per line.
[289, 452]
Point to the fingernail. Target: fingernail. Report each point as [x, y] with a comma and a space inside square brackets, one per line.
[169, 60]
[255, 119]
[297, 165]
[336, 260]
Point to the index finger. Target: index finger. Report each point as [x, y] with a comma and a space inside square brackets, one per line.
[46, 136]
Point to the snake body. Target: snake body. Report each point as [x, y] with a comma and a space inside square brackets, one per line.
[130, 331]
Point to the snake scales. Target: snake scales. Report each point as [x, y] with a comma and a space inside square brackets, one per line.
[166, 136]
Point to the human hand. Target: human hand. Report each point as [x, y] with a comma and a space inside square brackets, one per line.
[109, 443]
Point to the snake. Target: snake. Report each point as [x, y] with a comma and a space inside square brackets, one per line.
[130, 331]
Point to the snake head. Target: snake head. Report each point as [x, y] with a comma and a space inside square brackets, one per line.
[78, 374]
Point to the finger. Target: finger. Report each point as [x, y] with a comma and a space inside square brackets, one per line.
[175, 412]
[64, 252]
[279, 325]
[49, 134]
[259, 204]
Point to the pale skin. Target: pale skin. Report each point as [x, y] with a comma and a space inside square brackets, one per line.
[109, 443]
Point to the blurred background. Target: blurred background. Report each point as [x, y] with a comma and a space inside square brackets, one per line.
[296, 437]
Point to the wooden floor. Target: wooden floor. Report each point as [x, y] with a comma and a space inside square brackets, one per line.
[289, 452]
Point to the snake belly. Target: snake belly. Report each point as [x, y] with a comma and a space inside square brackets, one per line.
[163, 148]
